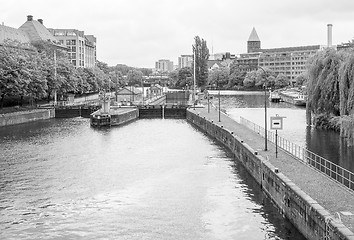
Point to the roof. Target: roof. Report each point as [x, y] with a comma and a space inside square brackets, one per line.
[292, 49]
[254, 36]
[13, 34]
[37, 31]
[129, 91]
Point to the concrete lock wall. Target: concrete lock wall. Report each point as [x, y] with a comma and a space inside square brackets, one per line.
[309, 217]
[28, 116]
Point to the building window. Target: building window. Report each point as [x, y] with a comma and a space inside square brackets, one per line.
[68, 42]
[73, 42]
[74, 62]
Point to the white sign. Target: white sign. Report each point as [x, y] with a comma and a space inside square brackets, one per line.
[276, 123]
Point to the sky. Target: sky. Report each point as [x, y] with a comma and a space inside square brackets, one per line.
[140, 32]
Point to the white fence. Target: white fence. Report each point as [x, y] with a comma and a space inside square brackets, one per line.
[332, 170]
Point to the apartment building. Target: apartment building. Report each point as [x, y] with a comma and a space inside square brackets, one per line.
[164, 65]
[185, 61]
[81, 47]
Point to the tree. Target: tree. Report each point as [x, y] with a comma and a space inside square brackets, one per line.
[219, 77]
[250, 79]
[184, 77]
[262, 76]
[201, 54]
[237, 75]
[14, 73]
[301, 79]
[134, 77]
[281, 81]
[173, 78]
[346, 85]
[103, 66]
[323, 84]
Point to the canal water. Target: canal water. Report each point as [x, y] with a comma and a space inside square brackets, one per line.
[250, 105]
[151, 179]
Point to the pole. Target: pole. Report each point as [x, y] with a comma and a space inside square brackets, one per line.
[208, 103]
[219, 105]
[265, 111]
[276, 143]
[142, 85]
[194, 56]
[55, 77]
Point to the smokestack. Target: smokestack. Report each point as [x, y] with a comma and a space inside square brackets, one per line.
[29, 18]
[329, 35]
[40, 20]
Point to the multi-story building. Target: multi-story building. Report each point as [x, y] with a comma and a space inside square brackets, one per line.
[81, 47]
[164, 65]
[248, 61]
[90, 51]
[28, 33]
[185, 61]
[290, 61]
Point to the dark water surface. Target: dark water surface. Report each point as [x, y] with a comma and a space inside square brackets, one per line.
[151, 179]
[327, 144]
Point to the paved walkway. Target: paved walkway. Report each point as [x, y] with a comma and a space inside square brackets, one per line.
[332, 196]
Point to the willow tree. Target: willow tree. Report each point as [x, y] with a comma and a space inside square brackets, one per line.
[201, 54]
[323, 83]
[346, 85]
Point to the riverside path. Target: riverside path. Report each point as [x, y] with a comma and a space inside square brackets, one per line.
[336, 199]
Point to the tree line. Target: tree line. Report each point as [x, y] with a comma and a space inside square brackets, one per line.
[33, 72]
[233, 77]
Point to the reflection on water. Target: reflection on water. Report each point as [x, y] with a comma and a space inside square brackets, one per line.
[327, 144]
[151, 179]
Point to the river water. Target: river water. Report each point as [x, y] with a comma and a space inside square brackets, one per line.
[150, 179]
[250, 105]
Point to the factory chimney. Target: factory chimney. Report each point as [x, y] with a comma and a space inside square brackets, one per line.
[329, 35]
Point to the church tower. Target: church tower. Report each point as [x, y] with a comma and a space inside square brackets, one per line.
[253, 43]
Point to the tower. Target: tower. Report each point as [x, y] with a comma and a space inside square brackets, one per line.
[253, 43]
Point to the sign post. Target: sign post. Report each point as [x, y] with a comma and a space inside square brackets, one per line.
[276, 123]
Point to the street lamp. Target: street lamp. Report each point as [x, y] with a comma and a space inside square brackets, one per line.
[265, 109]
[208, 102]
[194, 56]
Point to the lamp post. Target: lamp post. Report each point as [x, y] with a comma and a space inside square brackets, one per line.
[194, 56]
[208, 103]
[55, 77]
[265, 110]
[219, 101]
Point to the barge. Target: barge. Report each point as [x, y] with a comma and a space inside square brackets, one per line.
[109, 116]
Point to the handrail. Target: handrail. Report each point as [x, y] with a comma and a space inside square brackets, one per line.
[332, 170]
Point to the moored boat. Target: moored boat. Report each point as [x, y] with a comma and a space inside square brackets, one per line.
[294, 97]
[274, 97]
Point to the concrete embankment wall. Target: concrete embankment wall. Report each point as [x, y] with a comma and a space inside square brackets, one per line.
[309, 217]
[27, 116]
[127, 117]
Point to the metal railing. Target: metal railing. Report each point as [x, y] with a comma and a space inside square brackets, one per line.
[336, 172]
